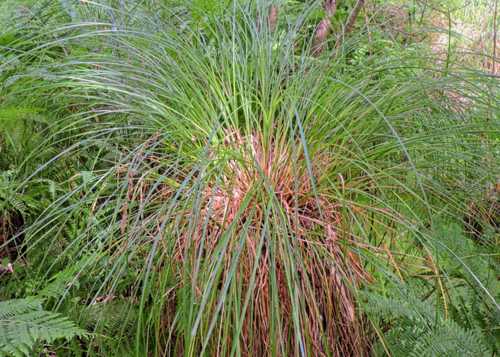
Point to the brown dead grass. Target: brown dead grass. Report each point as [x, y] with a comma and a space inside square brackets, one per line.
[329, 320]
[314, 231]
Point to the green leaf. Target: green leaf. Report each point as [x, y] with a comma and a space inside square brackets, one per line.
[23, 323]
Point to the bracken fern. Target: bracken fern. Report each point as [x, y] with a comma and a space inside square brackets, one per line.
[23, 322]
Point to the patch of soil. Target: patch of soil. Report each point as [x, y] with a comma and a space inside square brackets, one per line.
[11, 236]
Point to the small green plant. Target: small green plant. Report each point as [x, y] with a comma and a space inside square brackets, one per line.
[417, 320]
[416, 327]
[23, 323]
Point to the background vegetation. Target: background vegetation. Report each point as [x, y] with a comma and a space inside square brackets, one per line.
[249, 178]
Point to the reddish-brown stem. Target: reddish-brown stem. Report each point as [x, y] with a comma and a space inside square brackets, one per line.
[324, 27]
[272, 17]
[349, 26]
[352, 17]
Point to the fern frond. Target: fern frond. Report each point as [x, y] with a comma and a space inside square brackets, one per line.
[11, 308]
[15, 201]
[115, 318]
[421, 329]
[23, 323]
[450, 339]
[403, 305]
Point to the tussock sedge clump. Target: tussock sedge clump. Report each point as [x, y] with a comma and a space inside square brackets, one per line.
[238, 191]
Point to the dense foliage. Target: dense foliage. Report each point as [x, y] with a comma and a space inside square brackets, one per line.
[247, 178]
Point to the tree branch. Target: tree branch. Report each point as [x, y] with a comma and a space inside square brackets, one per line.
[494, 69]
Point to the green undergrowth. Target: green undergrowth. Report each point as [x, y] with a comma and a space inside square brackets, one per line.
[192, 182]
